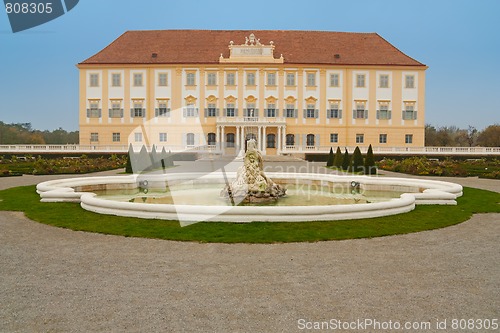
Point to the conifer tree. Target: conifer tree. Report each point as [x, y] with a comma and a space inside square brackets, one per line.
[329, 162]
[370, 166]
[337, 161]
[357, 161]
[346, 161]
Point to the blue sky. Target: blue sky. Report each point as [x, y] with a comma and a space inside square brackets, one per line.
[458, 40]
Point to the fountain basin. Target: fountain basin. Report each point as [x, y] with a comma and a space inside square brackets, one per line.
[414, 191]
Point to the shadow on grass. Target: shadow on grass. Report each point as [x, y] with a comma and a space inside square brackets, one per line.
[72, 216]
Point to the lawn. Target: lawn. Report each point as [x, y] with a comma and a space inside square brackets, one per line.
[72, 216]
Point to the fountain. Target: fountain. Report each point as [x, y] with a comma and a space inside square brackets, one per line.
[251, 184]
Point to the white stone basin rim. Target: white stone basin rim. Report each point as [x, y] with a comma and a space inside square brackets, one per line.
[432, 192]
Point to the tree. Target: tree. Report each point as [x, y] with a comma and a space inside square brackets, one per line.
[329, 162]
[357, 161]
[337, 161]
[490, 136]
[346, 161]
[370, 167]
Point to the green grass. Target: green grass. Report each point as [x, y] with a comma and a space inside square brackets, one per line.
[72, 216]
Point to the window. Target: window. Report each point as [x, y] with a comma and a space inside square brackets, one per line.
[190, 111]
[409, 112]
[410, 81]
[271, 110]
[251, 111]
[162, 109]
[290, 79]
[230, 139]
[360, 80]
[211, 139]
[211, 110]
[384, 81]
[334, 111]
[138, 80]
[138, 137]
[162, 79]
[116, 111]
[409, 138]
[163, 137]
[334, 138]
[94, 137]
[230, 79]
[271, 141]
[360, 138]
[250, 79]
[211, 79]
[310, 111]
[94, 80]
[271, 79]
[230, 112]
[360, 111]
[311, 79]
[138, 111]
[190, 80]
[116, 137]
[334, 80]
[93, 111]
[382, 138]
[190, 139]
[310, 140]
[383, 112]
[290, 111]
[116, 80]
[290, 140]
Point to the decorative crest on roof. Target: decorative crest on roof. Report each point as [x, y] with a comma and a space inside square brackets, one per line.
[253, 51]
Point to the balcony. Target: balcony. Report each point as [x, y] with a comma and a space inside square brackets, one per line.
[252, 121]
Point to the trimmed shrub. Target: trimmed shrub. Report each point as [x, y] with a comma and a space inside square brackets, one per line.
[370, 166]
[329, 162]
[337, 161]
[357, 163]
[346, 161]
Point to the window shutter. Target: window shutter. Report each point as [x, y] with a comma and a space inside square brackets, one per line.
[236, 112]
[143, 113]
[304, 139]
[206, 112]
[316, 140]
[131, 113]
[366, 114]
[316, 113]
[184, 113]
[184, 139]
[245, 112]
[225, 112]
[157, 112]
[197, 140]
[354, 114]
[328, 113]
[305, 113]
[414, 115]
[256, 113]
[340, 114]
[284, 113]
[217, 112]
[389, 114]
[378, 114]
[403, 115]
[296, 140]
[197, 112]
[296, 113]
[109, 113]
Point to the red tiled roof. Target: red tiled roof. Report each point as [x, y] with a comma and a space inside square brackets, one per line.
[205, 47]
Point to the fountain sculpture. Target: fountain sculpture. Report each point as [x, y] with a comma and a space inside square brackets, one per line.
[251, 184]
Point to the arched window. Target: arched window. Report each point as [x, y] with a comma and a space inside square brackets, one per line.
[290, 140]
[271, 141]
[230, 139]
[190, 139]
[310, 139]
[211, 139]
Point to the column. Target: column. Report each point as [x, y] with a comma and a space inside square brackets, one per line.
[283, 137]
[259, 138]
[279, 139]
[242, 137]
[237, 140]
[222, 140]
[264, 140]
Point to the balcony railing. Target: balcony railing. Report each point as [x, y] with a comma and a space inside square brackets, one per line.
[250, 120]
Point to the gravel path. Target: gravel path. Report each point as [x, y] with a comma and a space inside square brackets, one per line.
[57, 280]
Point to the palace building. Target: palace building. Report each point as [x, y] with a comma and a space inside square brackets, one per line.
[210, 90]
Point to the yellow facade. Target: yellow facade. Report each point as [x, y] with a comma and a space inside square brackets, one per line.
[189, 94]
